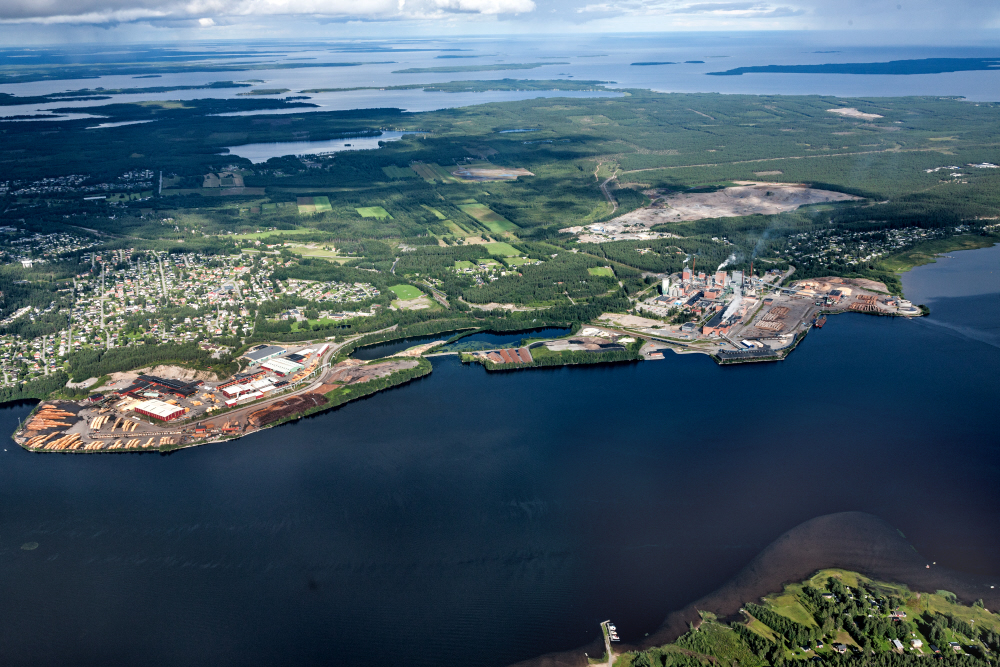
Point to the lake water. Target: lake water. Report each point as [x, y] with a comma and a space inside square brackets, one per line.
[478, 519]
[576, 57]
[263, 152]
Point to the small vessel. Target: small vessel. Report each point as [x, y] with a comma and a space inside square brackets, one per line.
[820, 321]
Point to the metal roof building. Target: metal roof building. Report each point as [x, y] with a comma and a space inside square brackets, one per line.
[282, 366]
[159, 410]
[265, 353]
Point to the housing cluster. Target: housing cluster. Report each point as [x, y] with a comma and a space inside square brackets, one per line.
[139, 179]
[134, 297]
[845, 247]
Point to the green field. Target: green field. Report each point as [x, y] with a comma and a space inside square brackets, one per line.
[273, 232]
[459, 265]
[322, 204]
[502, 249]
[601, 271]
[482, 213]
[406, 292]
[437, 214]
[432, 172]
[374, 212]
[399, 172]
[518, 261]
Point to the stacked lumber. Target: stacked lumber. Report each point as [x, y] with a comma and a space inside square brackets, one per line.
[49, 416]
[71, 441]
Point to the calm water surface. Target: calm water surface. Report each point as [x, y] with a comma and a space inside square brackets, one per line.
[475, 519]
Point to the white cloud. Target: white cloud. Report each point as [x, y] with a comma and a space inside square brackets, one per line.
[208, 12]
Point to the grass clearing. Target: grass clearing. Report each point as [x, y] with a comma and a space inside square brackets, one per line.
[492, 221]
[788, 606]
[322, 204]
[601, 271]
[437, 214]
[374, 212]
[406, 292]
[433, 172]
[502, 249]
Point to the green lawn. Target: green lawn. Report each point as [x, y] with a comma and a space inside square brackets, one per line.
[601, 271]
[406, 292]
[373, 212]
[502, 249]
[459, 265]
[518, 261]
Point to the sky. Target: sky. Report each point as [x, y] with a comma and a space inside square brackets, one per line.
[919, 21]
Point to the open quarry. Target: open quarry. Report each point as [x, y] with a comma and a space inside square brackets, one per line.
[746, 198]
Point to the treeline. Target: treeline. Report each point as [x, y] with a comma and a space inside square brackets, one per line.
[95, 363]
[570, 359]
[40, 388]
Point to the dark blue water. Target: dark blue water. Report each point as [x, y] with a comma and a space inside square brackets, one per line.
[477, 519]
[489, 340]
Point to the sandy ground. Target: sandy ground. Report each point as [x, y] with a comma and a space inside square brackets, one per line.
[747, 198]
[500, 306]
[630, 320]
[481, 174]
[851, 112]
[418, 350]
[419, 303]
[169, 372]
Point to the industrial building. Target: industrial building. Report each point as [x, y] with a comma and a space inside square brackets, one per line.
[262, 354]
[150, 384]
[159, 410]
[282, 367]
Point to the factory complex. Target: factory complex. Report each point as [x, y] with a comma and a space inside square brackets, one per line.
[743, 316]
[149, 411]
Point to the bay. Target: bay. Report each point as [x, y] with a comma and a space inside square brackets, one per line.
[471, 518]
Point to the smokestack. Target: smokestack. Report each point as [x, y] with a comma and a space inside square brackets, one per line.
[694, 264]
[751, 273]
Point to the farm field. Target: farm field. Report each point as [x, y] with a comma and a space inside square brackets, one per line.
[492, 221]
[502, 249]
[373, 212]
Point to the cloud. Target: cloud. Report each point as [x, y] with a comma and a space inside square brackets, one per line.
[934, 16]
[722, 10]
[208, 12]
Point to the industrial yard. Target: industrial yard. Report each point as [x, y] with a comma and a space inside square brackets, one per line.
[154, 413]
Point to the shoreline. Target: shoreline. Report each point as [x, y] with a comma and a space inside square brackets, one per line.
[853, 541]
[645, 346]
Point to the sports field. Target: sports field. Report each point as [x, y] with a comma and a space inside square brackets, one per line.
[601, 271]
[374, 212]
[502, 249]
[406, 292]
[493, 222]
